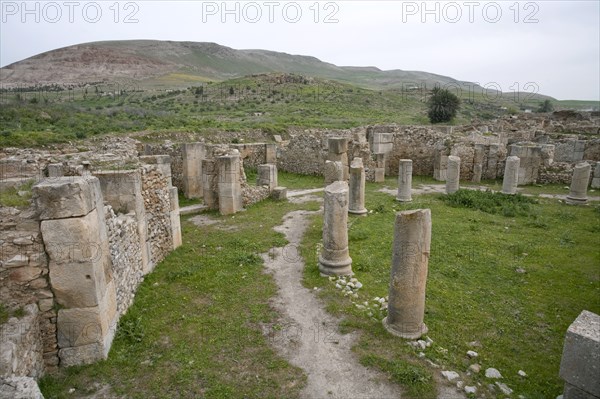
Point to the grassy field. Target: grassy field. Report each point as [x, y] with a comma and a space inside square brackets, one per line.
[264, 102]
[196, 326]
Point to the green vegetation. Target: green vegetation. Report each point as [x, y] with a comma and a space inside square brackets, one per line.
[270, 103]
[442, 106]
[490, 202]
[546, 106]
[510, 285]
[17, 197]
[196, 327]
[3, 314]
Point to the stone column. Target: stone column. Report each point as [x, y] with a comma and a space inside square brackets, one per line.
[174, 216]
[193, 154]
[404, 180]
[511, 175]
[271, 153]
[440, 164]
[580, 363]
[453, 175]
[76, 241]
[492, 162]
[478, 162]
[410, 259]
[209, 181]
[267, 176]
[530, 156]
[334, 258]
[579, 184]
[230, 189]
[333, 171]
[338, 151]
[379, 168]
[357, 187]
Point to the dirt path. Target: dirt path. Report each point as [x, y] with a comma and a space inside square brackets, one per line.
[309, 338]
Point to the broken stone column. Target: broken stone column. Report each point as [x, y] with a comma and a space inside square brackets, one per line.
[596, 179]
[357, 187]
[379, 168]
[580, 363]
[530, 156]
[333, 171]
[334, 258]
[492, 162]
[479, 154]
[440, 164]
[76, 241]
[193, 154]
[267, 176]
[271, 153]
[410, 260]
[174, 216]
[404, 180]
[579, 184]
[229, 186]
[453, 175]
[209, 184]
[511, 175]
[338, 151]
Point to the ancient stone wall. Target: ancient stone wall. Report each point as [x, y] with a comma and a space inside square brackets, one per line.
[21, 345]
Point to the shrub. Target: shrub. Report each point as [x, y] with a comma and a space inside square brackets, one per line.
[490, 202]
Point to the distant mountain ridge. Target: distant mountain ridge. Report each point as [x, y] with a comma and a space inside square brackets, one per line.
[164, 63]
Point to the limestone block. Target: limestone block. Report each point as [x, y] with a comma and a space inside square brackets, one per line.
[337, 145]
[453, 175]
[79, 262]
[65, 197]
[267, 176]
[279, 193]
[193, 154]
[14, 387]
[333, 172]
[580, 363]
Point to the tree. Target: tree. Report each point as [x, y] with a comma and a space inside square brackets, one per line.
[443, 105]
[546, 106]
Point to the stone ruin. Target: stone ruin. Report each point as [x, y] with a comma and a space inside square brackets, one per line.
[75, 257]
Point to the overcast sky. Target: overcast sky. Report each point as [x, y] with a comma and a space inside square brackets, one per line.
[504, 44]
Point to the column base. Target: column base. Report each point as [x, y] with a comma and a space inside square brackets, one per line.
[403, 199]
[333, 268]
[404, 334]
[361, 212]
[576, 201]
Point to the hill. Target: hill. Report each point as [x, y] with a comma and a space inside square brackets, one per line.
[180, 64]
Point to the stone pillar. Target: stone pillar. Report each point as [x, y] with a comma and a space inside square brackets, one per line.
[596, 179]
[404, 180]
[267, 176]
[530, 156]
[492, 162]
[75, 238]
[478, 163]
[271, 153]
[174, 216]
[579, 184]
[580, 363]
[511, 175]
[163, 165]
[379, 168]
[209, 181]
[440, 165]
[410, 260]
[193, 154]
[334, 258]
[333, 171]
[123, 191]
[229, 186]
[338, 151]
[453, 175]
[357, 187]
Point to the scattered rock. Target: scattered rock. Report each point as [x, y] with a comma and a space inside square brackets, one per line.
[470, 389]
[475, 344]
[504, 388]
[472, 354]
[450, 375]
[520, 270]
[460, 384]
[522, 373]
[422, 344]
[492, 373]
[476, 368]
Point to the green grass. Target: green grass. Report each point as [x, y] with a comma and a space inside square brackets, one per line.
[195, 327]
[3, 314]
[490, 202]
[10, 196]
[294, 181]
[474, 292]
